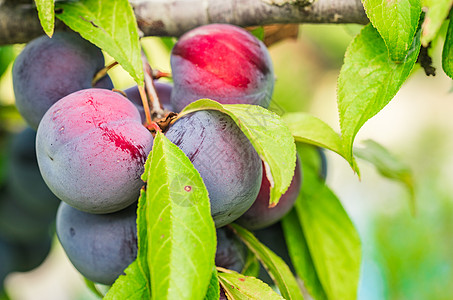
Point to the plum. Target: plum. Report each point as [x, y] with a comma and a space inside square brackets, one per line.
[91, 149]
[7, 258]
[274, 238]
[51, 68]
[260, 215]
[222, 294]
[226, 160]
[19, 223]
[99, 246]
[31, 255]
[323, 163]
[24, 178]
[22, 256]
[221, 62]
[163, 91]
[231, 251]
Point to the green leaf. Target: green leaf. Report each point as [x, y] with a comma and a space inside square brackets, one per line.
[168, 42]
[447, 53]
[368, 81]
[7, 55]
[396, 21]
[213, 288]
[111, 26]
[238, 287]
[437, 13]
[300, 255]
[92, 287]
[267, 133]
[136, 282]
[275, 266]
[3, 294]
[388, 165]
[142, 230]
[133, 285]
[251, 266]
[332, 239]
[46, 14]
[181, 232]
[258, 33]
[308, 129]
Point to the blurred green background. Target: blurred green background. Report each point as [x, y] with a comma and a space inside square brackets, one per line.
[404, 256]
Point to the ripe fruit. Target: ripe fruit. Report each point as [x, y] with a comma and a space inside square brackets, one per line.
[91, 149]
[99, 246]
[30, 255]
[221, 62]
[6, 260]
[224, 157]
[323, 163]
[260, 215]
[19, 223]
[231, 252]
[51, 68]
[274, 238]
[163, 90]
[24, 178]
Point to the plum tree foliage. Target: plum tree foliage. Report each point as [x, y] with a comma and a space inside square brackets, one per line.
[158, 180]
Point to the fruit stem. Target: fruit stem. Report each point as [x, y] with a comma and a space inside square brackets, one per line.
[141, 90]
[159, 74]
[157, 111]
[102, 72]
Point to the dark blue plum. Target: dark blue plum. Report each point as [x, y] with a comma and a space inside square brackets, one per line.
[323, 163]
[226, 160]
[7, 259]
[30, 255]
[99, 246]
[260, 215]
[231, 251]
[50, 68]
[274, 238]
[19, 223]
[24, 177]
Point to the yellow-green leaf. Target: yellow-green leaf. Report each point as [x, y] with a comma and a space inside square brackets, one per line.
[368, 81]
[46, 15]
[396, 21]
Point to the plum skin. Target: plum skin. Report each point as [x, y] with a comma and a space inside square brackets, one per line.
[51, 68]
[226, 160]
[231, 251]
[23, 171]
[99, 246]
[221, 62]
[260, 215]
[19, 222]
[274, 238]
[91, 149]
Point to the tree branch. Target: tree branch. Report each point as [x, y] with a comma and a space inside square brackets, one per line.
[19, 23]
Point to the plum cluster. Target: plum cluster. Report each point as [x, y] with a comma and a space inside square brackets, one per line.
[27, 208]
[91, 144]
